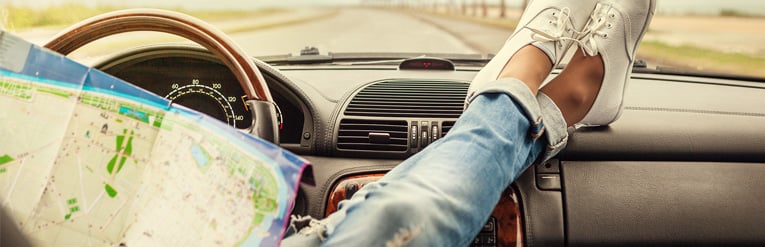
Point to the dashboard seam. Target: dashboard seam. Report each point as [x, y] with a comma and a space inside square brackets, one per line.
[297, 90]
[682, 110]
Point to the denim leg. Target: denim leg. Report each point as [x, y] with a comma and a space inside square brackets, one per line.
[443, 195]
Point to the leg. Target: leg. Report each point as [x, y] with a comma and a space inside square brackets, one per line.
[443, 195]
[575, 89]
[590, 90]
[519, 67]
[462, 175]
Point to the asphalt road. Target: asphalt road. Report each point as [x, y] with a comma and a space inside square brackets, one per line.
[378, 30]
[357, 30]
[330, 30]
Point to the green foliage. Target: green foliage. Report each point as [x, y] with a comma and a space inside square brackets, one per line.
[16, 18]
[734, 13]
[19, 18]
[702, 58]
[5, 159]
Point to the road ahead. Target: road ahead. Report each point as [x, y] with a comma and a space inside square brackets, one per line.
[330, 30]
[379, 30]
[356, 30]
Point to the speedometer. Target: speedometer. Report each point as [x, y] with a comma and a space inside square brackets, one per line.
[206, 98]
[202, 85]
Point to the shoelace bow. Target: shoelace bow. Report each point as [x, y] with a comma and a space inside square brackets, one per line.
[594, 28]
[585, 38]
[561, 24]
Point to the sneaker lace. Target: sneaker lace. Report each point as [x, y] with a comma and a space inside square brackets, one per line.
[561, 24]
[594, 28]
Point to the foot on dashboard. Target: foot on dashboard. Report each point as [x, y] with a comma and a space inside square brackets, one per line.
[549, 25]
[614, 32]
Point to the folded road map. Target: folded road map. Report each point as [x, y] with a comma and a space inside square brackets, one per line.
[87, 159]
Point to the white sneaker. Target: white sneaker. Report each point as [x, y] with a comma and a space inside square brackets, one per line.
[614, 31]
[550, 25]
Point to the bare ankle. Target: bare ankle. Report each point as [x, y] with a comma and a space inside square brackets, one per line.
[518, 67]
[577, 87]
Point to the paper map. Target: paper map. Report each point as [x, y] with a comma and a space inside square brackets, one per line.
[87, 159]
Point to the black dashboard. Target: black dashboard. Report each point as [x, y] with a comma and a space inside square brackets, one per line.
[682, 162]
[199, 81]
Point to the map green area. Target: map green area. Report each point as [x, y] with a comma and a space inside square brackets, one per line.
[83, 165]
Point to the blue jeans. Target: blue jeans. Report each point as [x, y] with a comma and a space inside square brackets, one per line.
[443, 195]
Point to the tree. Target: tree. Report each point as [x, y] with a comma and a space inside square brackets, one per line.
[502, 8]
[484, 8]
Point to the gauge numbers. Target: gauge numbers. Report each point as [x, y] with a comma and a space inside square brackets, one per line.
[207, 98]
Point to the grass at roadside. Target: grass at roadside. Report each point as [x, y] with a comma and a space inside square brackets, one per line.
[687, 56]
[737, 13]
[656, 52]
[20, 18]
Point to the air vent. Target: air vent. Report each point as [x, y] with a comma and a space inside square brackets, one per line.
[420, 99]
[372, 135]
[446, 126]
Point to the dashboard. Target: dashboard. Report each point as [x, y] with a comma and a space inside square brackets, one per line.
[199, 81]
[681, 162]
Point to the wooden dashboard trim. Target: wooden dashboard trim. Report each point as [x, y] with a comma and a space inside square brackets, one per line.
[507, 213]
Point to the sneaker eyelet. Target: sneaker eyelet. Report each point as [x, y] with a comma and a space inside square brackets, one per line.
[613, 15]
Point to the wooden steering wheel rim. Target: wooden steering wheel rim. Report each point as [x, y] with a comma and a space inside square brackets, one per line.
[170, 22]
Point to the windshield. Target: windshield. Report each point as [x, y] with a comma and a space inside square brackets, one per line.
[711, 36]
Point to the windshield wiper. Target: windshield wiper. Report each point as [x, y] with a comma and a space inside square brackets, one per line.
[311, 55]
[641, 67]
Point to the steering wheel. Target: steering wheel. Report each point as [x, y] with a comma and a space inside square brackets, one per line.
[260, 101]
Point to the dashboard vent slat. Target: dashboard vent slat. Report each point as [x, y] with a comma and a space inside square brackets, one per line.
[446, 126]
[418, 99]
[353, 134]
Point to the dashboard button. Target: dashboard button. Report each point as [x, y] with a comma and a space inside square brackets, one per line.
[425, 135]
[413, 134]
[548, 181]
[433, 132]
[489, 226]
